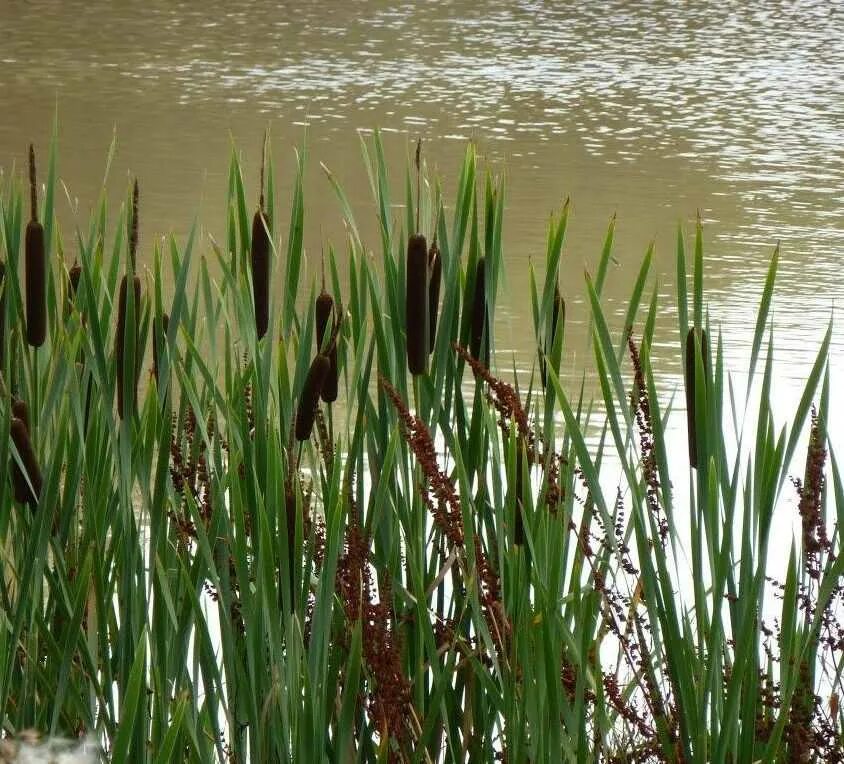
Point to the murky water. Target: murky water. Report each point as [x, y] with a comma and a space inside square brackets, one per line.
[651, 110]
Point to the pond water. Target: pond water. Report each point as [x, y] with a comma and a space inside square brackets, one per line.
[649, 110]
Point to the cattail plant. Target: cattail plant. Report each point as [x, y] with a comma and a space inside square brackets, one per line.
[260, 259]
[309, 399]
[36, 267]
[479, 340]
[691, 355]
[558, 320]
[323, 311]
[20, 411]
[435, 274]
[26, 485]
[332, 379]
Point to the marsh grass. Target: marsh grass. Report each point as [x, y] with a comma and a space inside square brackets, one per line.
[441, 569]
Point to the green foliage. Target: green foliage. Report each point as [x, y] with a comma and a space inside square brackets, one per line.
[442, 571]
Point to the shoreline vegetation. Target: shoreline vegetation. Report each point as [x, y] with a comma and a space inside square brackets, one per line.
[240, 525]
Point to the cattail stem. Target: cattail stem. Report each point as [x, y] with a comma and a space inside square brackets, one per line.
[416, 304]
[36, 268]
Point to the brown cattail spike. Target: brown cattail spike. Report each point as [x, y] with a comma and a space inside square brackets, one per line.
[435, 273]
[20, 411]
[159, 343]
[691, 363]
[479, 341]
[261, 272]
[416, 304]
[25, 483]
[36, 268]
[120, 359]
[332, 379]
[309, 399]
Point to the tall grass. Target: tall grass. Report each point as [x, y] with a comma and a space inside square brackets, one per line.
[434, 567]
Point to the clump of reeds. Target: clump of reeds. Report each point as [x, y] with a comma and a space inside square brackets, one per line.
[692, 348]
[36, 267]
[260, 260]
[309, 399]
[479, 338]
[26, 483]
[435, 274]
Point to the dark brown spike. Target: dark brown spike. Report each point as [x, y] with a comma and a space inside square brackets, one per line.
[20, 410]
[309, 399]
[26, 492]
[435, 272]
[36, 284]
[479, 341]
[159, 342]
[416, 304]
[120, 347]
[332, 379]
[690, 386]
[261, 272]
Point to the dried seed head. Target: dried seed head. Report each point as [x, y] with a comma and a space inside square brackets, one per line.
[306, 410]
[479, 341]
[36, 284]
[261, 272]
[435, 273]
[691, 351]
[416, 304]
[120, 347]
[26, 491]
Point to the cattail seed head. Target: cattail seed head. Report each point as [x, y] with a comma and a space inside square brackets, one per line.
[690, 386]
[332, 379]
[435, 273]
[322, 311]
[20, 411]
[479, 340]
[35, 267]
[261, 272]
[120, 346]
[26, 492]
[416, 304]
[306, 410]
